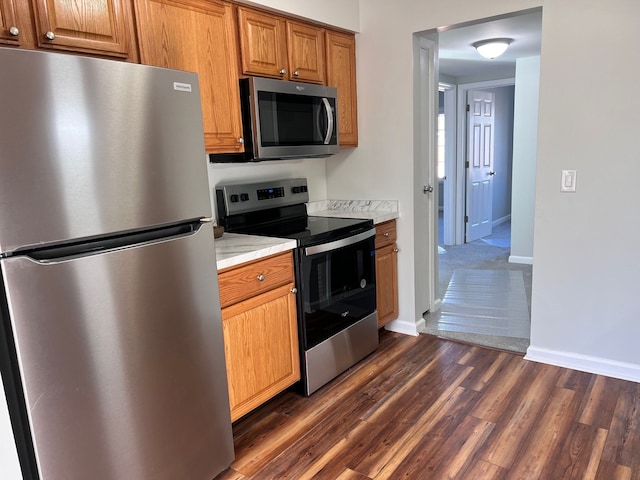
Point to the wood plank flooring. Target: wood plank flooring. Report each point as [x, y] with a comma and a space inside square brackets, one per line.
[425, 408]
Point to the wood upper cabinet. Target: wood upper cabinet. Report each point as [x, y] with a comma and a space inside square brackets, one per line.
[198, 36]
[386, 272]
[271, 46]
[260, 330]
[100, 27]
[13, 25]
[341, 73]
[306, 52]
[263, 44]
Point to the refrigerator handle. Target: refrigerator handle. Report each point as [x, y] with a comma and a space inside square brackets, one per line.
[113, 242]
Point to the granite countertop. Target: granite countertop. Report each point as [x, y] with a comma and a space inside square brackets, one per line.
[377, 210]
[234, 249]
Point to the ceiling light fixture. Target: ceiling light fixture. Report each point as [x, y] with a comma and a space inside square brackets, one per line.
[492, 48]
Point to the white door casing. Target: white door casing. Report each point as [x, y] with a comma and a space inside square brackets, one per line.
[479, 195]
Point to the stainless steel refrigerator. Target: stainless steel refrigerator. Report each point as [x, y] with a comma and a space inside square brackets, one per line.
[111, 349]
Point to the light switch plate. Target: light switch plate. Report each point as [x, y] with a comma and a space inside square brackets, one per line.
[568, 181]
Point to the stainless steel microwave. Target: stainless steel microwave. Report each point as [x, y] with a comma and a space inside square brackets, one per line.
[283, 120]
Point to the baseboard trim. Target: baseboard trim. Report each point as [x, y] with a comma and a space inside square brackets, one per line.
[517, 259]
[404, 327]
[497, 222]
[585, 363]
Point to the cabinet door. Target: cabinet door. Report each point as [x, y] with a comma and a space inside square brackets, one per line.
[13, 25]
[91, 26]
[341, 73]
[263, 44]
[198, 36]
[306, 52]
[261, 348]
[387, 284]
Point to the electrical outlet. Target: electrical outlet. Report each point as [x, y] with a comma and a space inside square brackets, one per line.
[568, 181]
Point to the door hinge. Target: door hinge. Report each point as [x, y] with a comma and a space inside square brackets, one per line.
[466, 219]
[468, 108]
[466, 164]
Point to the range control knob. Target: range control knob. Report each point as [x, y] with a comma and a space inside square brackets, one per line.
[295, 189]
[244, 197]
[234, 198]
[303, 188]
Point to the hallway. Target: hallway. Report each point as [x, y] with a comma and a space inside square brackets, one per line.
[493, 309]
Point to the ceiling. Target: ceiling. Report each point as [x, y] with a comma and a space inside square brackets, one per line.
[458, 58]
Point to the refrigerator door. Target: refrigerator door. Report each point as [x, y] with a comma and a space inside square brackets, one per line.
[122, 363]
[91, 146]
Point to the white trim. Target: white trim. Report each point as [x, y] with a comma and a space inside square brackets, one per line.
[523, 260]
[497, 222]
[585, 363]
[404, 327]
[449, 197]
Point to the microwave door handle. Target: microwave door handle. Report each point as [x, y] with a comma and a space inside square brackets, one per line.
[330, 126]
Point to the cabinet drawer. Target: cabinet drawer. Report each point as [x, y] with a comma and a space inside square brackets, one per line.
[385, 233]
[249, 280]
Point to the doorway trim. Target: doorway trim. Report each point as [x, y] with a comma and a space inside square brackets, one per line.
[457, 216]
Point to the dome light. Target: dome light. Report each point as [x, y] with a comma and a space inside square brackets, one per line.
[492, 48]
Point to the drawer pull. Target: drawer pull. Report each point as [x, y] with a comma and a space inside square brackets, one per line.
[294, 290]
[396, 250]
[386, 234]
[261, 278]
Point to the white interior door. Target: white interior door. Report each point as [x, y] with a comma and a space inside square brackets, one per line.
[479, 205]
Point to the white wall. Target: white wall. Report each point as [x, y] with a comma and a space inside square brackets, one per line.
[525, 138]
[9, 465]
[383, 162]
[586, 307]
[338, 13]
[584, 282]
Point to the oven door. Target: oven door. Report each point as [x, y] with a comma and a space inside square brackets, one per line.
[338, 286]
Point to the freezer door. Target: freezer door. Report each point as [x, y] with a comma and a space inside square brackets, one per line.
[93, 146]
[122, 362]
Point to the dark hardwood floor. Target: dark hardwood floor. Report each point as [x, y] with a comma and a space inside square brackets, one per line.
[424, 408]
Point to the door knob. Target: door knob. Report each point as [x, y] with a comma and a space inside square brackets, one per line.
[427, 189]
[492, 173]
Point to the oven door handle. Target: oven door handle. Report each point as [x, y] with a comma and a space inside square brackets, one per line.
[344, 242]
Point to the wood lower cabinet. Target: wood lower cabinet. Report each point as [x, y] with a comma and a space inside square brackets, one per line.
[260, 331]
[101, 27]
[198, 36]
[341, 73]
[386, 272]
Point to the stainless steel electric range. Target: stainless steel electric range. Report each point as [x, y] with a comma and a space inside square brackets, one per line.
[334, 269]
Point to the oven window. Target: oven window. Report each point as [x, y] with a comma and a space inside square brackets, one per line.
[338, 289]
[291, 120]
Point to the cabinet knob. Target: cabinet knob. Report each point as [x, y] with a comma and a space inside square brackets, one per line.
[294, 290]
[396, 250]
[14, 31]
[283, 71]
[261, 278]
[50, 35]
[240, 140]
[296, 73]
[386, 234]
